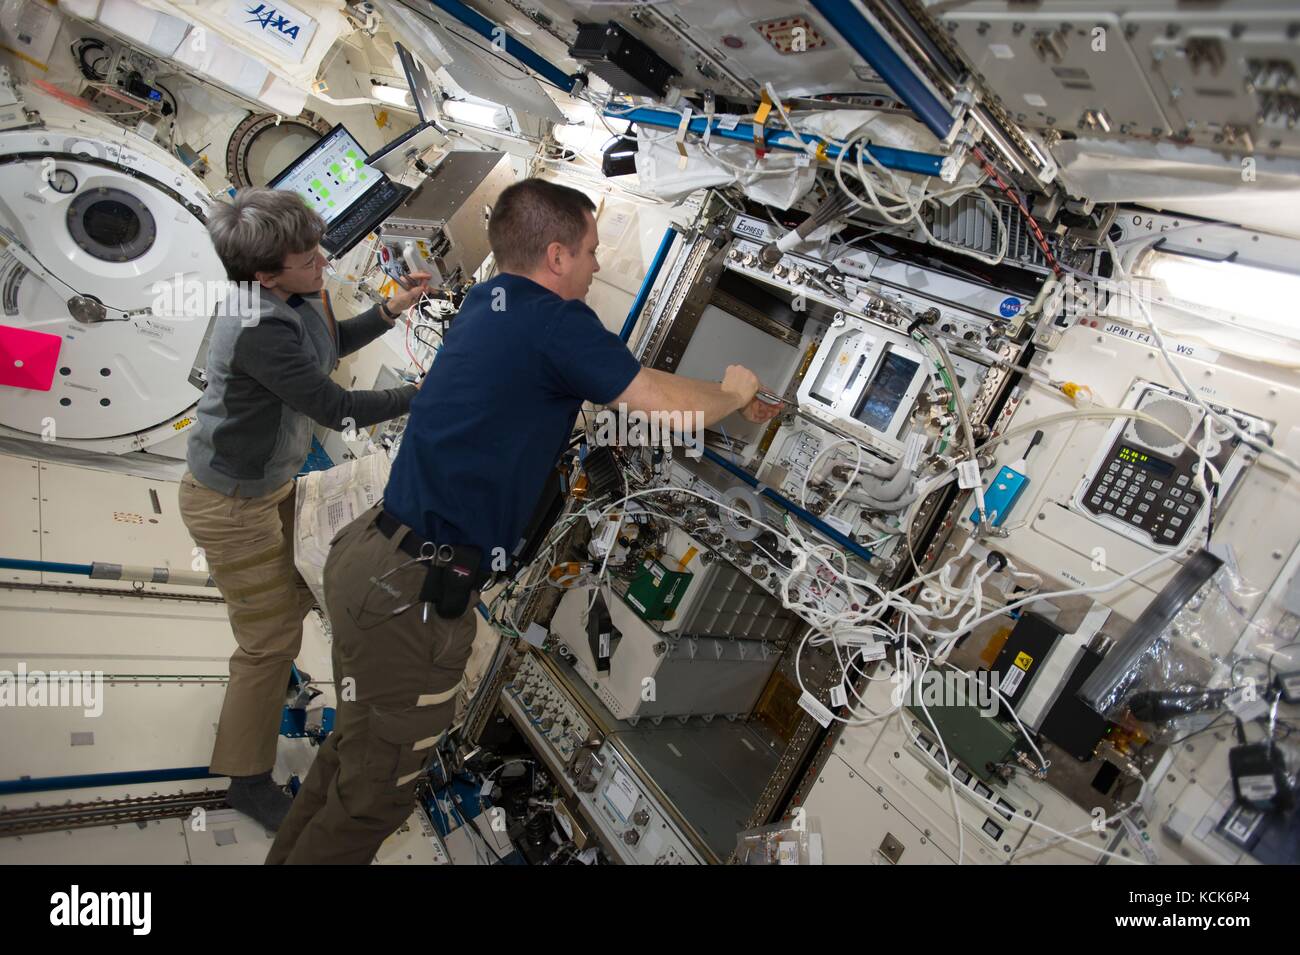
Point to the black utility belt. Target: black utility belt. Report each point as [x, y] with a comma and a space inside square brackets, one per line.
[453, 569]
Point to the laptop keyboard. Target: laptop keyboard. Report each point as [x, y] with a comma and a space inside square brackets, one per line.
[363, 217]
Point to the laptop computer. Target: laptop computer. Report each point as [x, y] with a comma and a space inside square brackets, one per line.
[417, 78]
[335, 180]
[395, 157]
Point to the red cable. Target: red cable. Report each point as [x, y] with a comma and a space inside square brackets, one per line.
[406, 340]
[1024, 212]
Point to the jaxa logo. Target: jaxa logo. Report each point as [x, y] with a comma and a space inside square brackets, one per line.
[270, 18]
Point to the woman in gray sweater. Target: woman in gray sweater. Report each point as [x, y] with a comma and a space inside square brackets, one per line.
[268, 367]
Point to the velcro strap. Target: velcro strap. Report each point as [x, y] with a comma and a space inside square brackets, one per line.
[680, 138]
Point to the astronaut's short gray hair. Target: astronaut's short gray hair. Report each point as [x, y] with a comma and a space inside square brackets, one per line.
[259, 227]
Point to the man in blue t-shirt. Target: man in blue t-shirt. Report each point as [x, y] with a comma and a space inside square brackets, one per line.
[491, 420]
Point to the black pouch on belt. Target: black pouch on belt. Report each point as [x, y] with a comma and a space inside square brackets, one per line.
[459, 578]
[448, 583]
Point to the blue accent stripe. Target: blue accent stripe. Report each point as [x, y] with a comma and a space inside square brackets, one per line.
[858, 32]
[904, 160]
[784, 502]
[491, 32]
[49, 567]
[643, 293]
[27, 784]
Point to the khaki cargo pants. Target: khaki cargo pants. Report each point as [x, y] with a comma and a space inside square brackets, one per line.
[248, 544]
[397, 677]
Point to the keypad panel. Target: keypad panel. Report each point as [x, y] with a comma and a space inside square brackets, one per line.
[1160, 505]
[1151, 491]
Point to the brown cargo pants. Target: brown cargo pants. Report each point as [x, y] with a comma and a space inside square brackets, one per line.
[248, 544]
[397, 676]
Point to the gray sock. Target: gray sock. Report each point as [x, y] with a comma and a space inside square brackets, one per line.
[259, 797]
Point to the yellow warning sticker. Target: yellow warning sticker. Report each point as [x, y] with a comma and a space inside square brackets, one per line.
[1023, 660]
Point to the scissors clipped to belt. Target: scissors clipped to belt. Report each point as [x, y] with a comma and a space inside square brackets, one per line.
[438, 553]
[453, 569]
[449, 580]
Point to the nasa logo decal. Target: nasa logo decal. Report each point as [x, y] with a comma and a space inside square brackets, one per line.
[1009, 307]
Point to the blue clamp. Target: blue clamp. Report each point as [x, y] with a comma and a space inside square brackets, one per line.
[293, 724]
[1001, 496]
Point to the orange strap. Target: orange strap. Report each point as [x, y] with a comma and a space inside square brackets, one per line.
[760, 121]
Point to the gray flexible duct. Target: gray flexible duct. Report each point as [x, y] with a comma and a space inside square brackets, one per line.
[867, 501]
[889, 490]
[880, 469]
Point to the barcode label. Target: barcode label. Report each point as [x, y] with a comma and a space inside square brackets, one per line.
[912, 451]
[815, 709]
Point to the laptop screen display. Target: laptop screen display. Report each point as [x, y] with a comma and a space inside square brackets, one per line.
[331, 176]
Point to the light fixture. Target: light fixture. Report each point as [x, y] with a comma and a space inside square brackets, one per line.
[392, 95]
[1256, 298]
[488, 115]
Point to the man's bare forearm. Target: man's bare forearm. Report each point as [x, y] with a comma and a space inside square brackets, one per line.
[661, 391]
